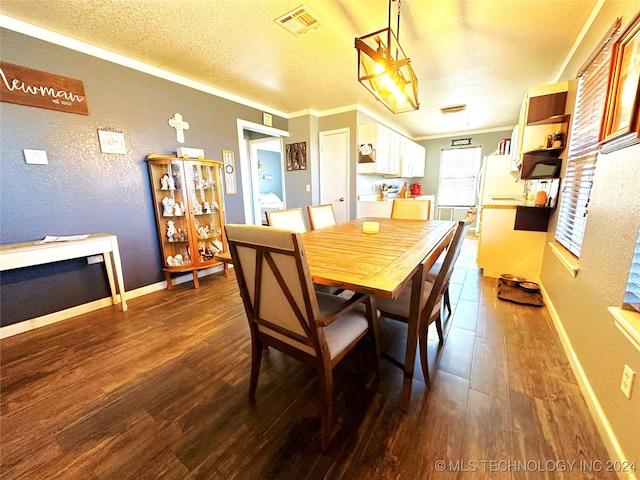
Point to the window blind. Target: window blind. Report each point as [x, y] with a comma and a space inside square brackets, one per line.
[458, 176]
[631, 299]
[584, 141]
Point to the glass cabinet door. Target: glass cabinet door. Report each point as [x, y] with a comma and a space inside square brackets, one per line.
[170, 204]
[202, 180]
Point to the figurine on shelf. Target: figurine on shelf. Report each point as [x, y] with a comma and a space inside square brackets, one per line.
[164, 182]
[197, 209]
[176, 183]
[168, 204]
[215, 207]
[180, 235]
[171, 230]
[203, 232]
[172, 185]
[210, 182]
[176, 210]
[197, 182]
[206, 207]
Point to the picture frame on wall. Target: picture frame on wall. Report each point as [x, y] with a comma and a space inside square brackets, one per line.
[229, 167]
[296, 156]
[622, 114]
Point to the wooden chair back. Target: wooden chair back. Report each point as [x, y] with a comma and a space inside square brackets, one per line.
[409, 209]
[444, 275]
[321, 216]
[289, 219]
[275, 285]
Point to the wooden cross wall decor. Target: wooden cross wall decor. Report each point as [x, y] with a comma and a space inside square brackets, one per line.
[180, 126]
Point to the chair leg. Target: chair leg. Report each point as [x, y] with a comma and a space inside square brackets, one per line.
[447, 302]
[326, 407]
[256, 360]
[372, 318]
[439, 328]
[424, 360]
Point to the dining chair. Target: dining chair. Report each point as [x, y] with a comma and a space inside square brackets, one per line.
[289, 219]
[321, 216]
[409, 209]
[430, 299]
[285, 312]
[469, 217]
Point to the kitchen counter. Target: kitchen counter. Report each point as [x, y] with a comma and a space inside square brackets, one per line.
[503, 249]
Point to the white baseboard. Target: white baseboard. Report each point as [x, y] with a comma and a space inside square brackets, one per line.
[33, 323]
[597, 413]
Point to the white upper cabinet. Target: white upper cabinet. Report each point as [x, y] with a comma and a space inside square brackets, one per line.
[413, 160]
[393, 154]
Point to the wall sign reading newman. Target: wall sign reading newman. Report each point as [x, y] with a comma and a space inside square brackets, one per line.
[35, 88]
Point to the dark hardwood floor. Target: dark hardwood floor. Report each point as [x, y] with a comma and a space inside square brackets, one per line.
[161, 391]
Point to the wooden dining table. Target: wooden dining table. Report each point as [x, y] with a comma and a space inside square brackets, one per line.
[380, 264]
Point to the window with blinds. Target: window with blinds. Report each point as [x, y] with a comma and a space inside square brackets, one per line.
[458, 176]
[631, 299]
[584, 144]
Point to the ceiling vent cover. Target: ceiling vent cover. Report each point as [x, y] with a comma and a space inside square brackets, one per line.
[299, 20]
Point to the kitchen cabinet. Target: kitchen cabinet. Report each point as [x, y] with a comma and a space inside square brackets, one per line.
[503, 249]
[187, 201]
[379, 137]
[393, 154]
[413, 160]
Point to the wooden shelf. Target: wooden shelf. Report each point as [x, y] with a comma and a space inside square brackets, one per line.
[549, 120]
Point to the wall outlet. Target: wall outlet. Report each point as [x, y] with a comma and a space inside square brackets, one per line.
[628, 376]
[95, 259]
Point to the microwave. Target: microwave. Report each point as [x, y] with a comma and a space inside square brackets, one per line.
[535, 167]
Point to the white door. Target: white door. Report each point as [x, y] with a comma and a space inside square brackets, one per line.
[334, 171]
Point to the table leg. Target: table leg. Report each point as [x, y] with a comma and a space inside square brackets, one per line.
[118, 270]
[112, 284]
[412, 337]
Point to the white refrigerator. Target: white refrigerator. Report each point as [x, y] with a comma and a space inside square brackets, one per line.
[498, 184]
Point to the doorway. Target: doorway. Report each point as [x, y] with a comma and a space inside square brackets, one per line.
[249, 164]
[268, 175]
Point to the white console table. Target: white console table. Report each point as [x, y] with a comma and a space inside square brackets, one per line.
[26, 254]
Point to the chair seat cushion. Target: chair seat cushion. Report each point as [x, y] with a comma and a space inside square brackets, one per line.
[400, 306]
[346, 328]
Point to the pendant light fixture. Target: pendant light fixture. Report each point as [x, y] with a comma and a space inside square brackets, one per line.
[385, 70]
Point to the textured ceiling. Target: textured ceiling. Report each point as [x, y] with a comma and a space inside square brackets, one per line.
[483, 53]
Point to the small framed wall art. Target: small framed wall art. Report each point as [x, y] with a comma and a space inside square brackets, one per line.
[296, 154]
[111, 141]
[229, 172]
[622, 115]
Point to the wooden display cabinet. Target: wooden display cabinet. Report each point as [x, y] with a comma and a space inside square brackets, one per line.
[187, 197]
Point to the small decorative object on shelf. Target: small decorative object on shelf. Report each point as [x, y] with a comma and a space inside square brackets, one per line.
[188, 191]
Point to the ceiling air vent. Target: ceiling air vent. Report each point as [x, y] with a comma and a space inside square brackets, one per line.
[299, 20]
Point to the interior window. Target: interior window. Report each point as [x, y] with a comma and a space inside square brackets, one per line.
[458, 176]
